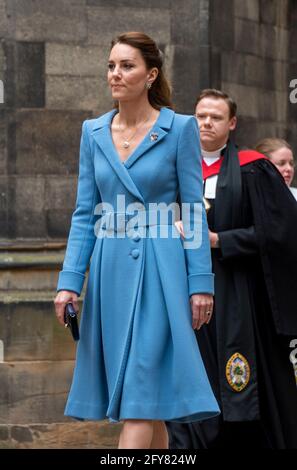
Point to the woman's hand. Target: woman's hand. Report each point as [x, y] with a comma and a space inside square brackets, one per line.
[65, 297]
[202, 307]
[180, 228]
[214, 239]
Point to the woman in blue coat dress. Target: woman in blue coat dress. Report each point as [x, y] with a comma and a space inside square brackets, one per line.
[137, 358]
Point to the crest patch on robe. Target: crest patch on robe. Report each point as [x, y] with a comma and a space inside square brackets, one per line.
[237, 372]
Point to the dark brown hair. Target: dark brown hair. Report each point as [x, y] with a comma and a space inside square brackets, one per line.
[218, 94]
[159, 94]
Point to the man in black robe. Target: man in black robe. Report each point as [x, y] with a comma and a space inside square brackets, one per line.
[252, 221]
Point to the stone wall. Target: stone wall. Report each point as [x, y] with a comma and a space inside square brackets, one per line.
[253, 59]
[53, 62]
[53, 59]
[292, 74]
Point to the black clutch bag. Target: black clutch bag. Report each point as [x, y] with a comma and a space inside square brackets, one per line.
[70, 320]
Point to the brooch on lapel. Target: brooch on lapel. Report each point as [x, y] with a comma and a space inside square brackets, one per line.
[154, 136]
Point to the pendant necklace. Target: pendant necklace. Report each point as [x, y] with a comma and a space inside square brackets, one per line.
[126, 143]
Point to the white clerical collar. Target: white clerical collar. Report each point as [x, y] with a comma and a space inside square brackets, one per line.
[212, 157]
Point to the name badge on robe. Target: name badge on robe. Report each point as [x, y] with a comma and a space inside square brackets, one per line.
[210, 187]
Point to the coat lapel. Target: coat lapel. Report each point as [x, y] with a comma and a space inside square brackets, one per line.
[156, 135]
[102, 136]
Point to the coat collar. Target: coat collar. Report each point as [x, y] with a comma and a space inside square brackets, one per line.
[102, 136]
[164, 120]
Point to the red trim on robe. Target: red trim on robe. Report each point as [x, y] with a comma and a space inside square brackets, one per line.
[245, 157]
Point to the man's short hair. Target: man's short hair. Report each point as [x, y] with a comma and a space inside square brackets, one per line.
[218, 94]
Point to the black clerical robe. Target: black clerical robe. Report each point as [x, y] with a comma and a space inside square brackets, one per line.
[245, 347]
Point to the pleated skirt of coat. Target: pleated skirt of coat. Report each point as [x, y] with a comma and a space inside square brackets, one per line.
[138, 357]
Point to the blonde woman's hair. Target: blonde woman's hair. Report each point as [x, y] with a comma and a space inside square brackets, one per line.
[271, 144]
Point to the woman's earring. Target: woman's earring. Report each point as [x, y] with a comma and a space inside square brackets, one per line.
[148, 85]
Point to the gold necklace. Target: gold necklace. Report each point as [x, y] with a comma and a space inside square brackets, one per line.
[126, 143]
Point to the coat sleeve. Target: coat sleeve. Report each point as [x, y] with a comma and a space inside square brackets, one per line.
[238, 242]
[196, 243]
[81, 238]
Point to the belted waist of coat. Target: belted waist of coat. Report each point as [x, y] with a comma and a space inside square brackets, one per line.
[124, 221]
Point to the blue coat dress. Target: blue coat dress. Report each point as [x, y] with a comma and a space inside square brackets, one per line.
[138, 357]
